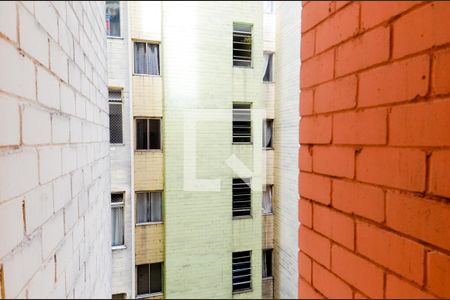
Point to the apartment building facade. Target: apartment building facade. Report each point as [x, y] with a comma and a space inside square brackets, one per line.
[193, 156]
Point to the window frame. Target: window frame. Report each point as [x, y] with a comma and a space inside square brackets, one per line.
[271, 187]
[264, 252]
[264, 134]
[271, 81]
[120, 36]
[233, 270]
[150, 280]
[162, 209]
[250, 213]
[148, 134]
[146, 42]
[119, 205]
[119, 90]
[250, 104]
[235, 24]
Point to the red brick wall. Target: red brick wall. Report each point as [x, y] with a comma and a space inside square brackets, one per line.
[375, 150]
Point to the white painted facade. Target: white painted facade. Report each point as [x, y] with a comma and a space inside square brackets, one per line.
[287, 74]
[55, 232]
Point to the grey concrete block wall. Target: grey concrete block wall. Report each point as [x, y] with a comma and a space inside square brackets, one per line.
[55, 233]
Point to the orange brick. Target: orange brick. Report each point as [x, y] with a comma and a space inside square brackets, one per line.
[367, 50]
[368, 127]
[421, 218]
[335, 225]
[305, 212]
[315, 187]
[422, 28]
[397, 288]
[397, 253]
[308, 45]
[441, 75]
[315, 130]
[317, 69]
[315, 12]
[340, 4]
[316, 246]
[306, 102]
[394, 167]
[394, 82]
[304, 266]
[335, 161]
[357, 271]
[305, 291]
[335, 95]
[359, 296]
[305, 159]
[360, 199]
[338, 27]
[439, 273]
[420, 124]
[375, 12]
[329, 284]
[439, 178]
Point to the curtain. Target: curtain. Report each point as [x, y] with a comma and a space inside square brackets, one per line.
[117, 225]
[264, 264]
[156, 207]
[143, 208]
[267, 200]
[152, 59]
[139, 58]
[267, 134]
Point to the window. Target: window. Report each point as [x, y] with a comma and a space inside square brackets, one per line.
[117, 225]
[149, 279]
[119, 296]
[242, 197]
[149, 207]
[115, 117]
[267, 200]
[267, 263]
[146, 58]
[267, 133]
[242, 271]
[242, 45]
[268, 7]
[242, 125]
[268, 67]
[113, 18]
[148, 134]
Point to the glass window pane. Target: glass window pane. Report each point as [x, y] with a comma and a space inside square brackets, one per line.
[139, 58]
[268, 58]
[156, 207]
[155, 134]
[117, 226]
[152, 59]
[141, 134]
[143, 279]
[156, 278]
[113, 18]
[143, 208]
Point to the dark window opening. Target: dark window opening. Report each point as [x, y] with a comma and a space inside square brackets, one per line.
[267, 263]
[242, 197]
[267, 133]
[149, 279]
[242, 124]
[242, 45]
[242, 271]
[268, 67]
[148, 134]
